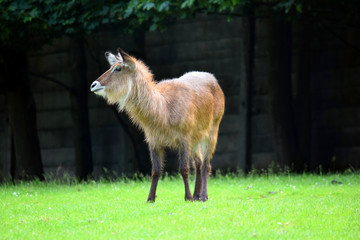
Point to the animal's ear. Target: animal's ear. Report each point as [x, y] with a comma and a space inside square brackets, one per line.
[122, 54]
[112, 59]
[126, 58]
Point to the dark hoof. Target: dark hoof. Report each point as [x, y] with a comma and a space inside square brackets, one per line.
[151, 199]
[196, 198]
[203, 198]
[190, 199]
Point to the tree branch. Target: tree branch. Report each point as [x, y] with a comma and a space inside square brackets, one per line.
[43, 77]
[127, 131]
[343, 40]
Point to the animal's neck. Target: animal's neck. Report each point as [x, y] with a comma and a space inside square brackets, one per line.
[147, 106]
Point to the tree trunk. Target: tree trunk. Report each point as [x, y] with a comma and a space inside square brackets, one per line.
[280, 92]
[248, 51]
[79, 109]
[21, 109]
[303, 94]
[142, 162]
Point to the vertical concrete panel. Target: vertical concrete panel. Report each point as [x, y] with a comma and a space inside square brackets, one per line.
[5, 148]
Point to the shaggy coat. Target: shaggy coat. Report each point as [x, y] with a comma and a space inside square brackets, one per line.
[182, 113]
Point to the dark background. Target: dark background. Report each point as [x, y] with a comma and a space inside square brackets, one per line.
[292, 93]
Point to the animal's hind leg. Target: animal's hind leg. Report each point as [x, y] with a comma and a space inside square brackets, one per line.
[185, 170]
[205, 170]
[198, 184]
[206, 167]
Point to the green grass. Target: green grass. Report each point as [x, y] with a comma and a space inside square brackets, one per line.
[268, 207]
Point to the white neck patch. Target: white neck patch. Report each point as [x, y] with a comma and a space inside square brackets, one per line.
[123, 101]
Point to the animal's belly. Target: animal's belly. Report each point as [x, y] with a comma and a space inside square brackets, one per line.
[173, 138]
[163, 138]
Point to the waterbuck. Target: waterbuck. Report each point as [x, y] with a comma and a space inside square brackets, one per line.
[182, 114]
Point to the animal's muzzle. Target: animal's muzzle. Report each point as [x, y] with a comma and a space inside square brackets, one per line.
[96, 86]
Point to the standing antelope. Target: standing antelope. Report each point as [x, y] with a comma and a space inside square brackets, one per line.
[182, 113]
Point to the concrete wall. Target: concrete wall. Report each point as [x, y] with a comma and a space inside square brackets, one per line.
[335, 92]
[110, 146]
[5, 141]
[204, 44]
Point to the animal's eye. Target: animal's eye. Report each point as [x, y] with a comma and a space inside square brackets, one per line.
[116, 69]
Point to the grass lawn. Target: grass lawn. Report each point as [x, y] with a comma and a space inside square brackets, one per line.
[267, 207]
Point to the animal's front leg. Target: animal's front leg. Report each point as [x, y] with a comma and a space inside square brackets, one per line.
[185, 170]
[156, 161]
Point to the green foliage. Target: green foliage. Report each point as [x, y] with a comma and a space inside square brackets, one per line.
[346, 11]
[30, 23]
[157, 14]
[268, 207]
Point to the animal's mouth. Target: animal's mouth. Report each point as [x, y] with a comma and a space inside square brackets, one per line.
[97, 90]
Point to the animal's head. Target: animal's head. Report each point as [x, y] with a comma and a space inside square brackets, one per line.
[116, 83]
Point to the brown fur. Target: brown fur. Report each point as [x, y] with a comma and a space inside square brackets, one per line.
[182, 113]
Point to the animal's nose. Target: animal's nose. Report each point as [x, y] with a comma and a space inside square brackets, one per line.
[93, 84]
[96, 85]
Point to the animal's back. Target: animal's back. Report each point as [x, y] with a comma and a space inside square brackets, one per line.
[201, 82]
[197, 81]
[195, 102]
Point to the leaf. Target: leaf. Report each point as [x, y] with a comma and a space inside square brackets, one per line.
[148, 6]
[187, 4]
[13, 7]
[69, 21]
[27, 19]
[34, 13]
[69, 30]
[128, 12]
[164, 6]
[153, 27]
[104, 11]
